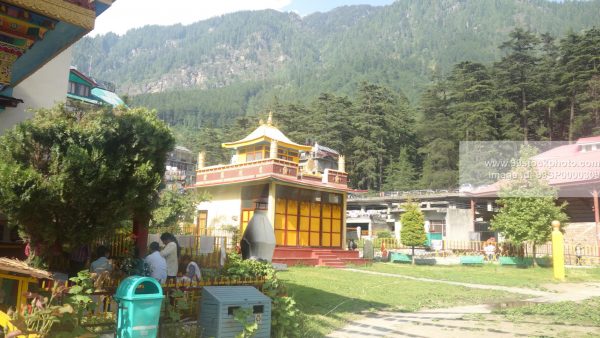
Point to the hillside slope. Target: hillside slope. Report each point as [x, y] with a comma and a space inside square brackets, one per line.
[249, 58]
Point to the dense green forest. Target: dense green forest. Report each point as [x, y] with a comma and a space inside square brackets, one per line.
[394, 88]
[252, 57]
[540, 89]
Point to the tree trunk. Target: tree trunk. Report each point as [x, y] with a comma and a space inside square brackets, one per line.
[571, 119]
[413, 255]
[549, 122]
[533, 253]
[525, 118]
[380, 174]
[140, 231]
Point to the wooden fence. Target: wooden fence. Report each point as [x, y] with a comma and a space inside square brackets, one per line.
[207, 251]
[182, 297]
[590, 254]
[120, 245]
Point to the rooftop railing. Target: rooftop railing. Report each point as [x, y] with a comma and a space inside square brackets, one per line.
[402, 194]
[263, 168]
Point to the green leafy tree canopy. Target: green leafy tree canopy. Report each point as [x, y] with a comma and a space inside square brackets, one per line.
[68, 178]
[528, 204]
[413, 226]
[174, 207]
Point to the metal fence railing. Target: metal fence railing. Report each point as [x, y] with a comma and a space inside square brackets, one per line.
[120, 245]
[193, 230]
[584, 255]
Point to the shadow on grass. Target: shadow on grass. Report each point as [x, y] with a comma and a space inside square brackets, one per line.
[327, 312]
[324, 308]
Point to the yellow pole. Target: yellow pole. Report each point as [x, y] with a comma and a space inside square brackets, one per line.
[558, 251]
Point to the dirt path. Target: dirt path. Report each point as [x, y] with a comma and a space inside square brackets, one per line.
[474, 320]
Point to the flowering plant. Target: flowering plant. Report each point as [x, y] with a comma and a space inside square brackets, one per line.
[64, 308]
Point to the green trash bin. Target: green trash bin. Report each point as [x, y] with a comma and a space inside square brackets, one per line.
[139, 301]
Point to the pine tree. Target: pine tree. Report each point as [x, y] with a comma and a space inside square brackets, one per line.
[471, 102]
[413, 226]
[333, 127]
[544, 107]
[400, 174]
[374, 104]
[516, 76]
[590, 103]
[440, 149]
[579, 62]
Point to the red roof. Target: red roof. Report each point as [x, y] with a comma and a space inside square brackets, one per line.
[592, 139]
[566, 165]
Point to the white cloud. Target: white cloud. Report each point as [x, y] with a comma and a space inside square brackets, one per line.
[126, 14]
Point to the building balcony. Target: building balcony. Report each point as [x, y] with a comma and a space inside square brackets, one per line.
[82, 3]
[267, 168]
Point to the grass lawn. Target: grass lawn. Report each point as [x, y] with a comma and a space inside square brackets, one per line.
[569, 313]
[487, 274]
[330, 297]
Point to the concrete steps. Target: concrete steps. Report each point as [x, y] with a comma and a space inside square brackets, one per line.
[335, 258]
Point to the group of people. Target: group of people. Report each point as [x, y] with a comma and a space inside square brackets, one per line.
[163, 263]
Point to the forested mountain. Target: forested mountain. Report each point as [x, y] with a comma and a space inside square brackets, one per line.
[394, 88]
[263, 54]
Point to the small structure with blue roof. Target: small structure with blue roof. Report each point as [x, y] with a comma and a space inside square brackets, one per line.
[218, 306]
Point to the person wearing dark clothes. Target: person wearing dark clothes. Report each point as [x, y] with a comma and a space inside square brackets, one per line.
[78, 259]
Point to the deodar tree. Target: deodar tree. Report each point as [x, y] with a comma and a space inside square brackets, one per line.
[68, 178]
[413, 226]
[528, 204]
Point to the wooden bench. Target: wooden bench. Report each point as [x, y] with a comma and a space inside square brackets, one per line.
[471, 260]
[398, 257]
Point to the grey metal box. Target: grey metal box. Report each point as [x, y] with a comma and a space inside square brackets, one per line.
[217, 306]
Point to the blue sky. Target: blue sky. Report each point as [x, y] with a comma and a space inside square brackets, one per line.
[127, 14]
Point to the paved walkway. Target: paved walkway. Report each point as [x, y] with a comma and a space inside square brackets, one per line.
[470, 321]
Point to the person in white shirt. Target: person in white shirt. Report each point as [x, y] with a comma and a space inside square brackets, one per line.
[192, 270]
[157, 264]
[102, 263]
[490, 251]
[171, 254]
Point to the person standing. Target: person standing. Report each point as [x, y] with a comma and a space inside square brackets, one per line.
[578, 254]
[171, 254]
[157, 263]
[78, 259]
[352, 245]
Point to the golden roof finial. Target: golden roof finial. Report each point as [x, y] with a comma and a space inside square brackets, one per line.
[270, 119]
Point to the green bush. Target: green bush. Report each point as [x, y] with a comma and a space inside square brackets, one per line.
[384, 234]
[236, 267]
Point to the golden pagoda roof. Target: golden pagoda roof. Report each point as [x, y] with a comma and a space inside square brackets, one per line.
[266, 132]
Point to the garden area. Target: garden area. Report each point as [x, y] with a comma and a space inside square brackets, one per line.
[87, 305]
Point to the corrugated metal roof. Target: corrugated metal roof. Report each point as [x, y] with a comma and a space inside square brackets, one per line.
[108, 97]
[236, 293]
